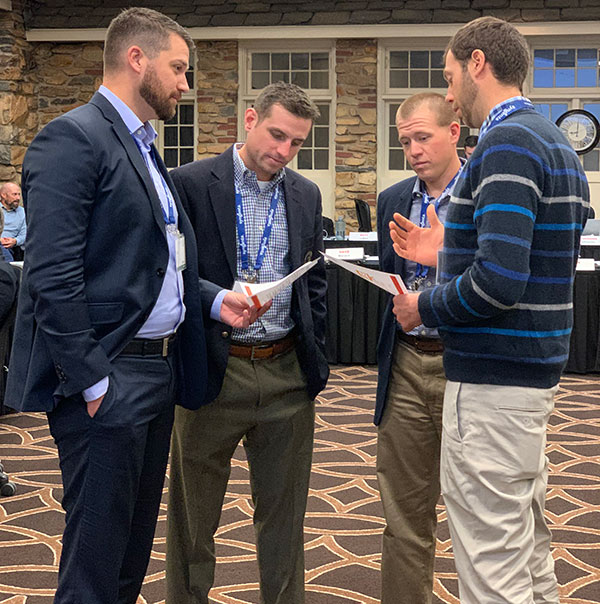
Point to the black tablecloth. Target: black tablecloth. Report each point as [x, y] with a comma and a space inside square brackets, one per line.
[584, 354]
[590, 251]
[354, 311]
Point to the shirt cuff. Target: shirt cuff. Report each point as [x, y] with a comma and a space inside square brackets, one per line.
[96, 391]
[215, 309]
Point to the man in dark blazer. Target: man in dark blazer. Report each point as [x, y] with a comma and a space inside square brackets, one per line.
[264, 379]
[100, 342]
[410, 388]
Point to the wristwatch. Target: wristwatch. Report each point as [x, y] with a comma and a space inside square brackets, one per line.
[581, 128]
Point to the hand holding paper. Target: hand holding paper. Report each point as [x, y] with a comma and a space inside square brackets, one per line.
[237, 312]
[259, 294]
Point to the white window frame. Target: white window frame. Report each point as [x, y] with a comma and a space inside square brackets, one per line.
[325, 179]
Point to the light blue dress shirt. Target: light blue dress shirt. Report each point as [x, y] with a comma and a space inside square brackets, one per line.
[15, 224]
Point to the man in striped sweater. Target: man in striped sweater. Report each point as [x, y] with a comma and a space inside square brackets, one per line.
[504, 311]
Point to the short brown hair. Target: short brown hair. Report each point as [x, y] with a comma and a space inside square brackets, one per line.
[147, 28]
[503, 46]
[436, 102]
[291, 97]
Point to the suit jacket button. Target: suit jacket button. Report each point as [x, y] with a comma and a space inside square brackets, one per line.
[160, 272]
[224, 334]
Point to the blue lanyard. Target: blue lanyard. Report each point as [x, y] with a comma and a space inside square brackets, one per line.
[170, 218]
[422, 271]
[502, 111]
[241, 229]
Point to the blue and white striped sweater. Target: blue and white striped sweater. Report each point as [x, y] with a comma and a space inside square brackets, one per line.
[510, 249]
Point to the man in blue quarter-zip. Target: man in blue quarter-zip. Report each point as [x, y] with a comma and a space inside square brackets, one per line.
[411, 384]
[504, 312]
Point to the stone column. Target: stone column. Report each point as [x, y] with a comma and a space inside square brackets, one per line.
[356, 127]
[217, 90]
[18, 107]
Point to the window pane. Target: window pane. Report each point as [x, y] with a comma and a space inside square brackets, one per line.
[565, 57]
[186, 156]
[419, 79]
[543, 108]
[186, 134]
[300, 78]
[543, 58]
[565, 78]
[587, 57]
[321, 137]
[437, 58]
[319, 60]
[189, 76]
[324, 119]
[281, 76]
[586, 78]
[319, 80]
[398, 59]
[393, 111]
[260, 60]
[591, 161]
[299, 60]
[393, 136]
[170, 133]
[396, 159]
[419, 59]
[321, 159]
[280, 60]
[304, 159]
[170, 157]
[543, 78]
[308, 142]
[186, 114]
[593, 108]
[437, 79]
[398, 79]
[556, 110]
[260, 79]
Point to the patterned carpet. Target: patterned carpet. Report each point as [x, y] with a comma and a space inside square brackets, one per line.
[344, 520]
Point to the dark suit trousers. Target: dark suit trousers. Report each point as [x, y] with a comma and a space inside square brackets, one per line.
[264, 404]
[113, 467]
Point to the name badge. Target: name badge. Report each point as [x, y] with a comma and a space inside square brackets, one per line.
[180, 251]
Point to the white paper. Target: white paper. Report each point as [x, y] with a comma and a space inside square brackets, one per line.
[260, 293]
[585, 264]
[386, 281]
[347, 253]
[362, 236]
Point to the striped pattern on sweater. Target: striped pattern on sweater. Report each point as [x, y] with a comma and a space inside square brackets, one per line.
[511, 242]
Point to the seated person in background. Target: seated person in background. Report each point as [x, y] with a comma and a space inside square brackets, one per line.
[470, 144]
[15, 229]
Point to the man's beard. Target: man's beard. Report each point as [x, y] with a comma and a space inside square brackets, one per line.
[468, 97]
[152, 92]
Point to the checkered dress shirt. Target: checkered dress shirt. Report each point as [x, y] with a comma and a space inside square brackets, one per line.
[276, 322]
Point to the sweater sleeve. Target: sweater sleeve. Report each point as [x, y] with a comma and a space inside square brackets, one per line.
[492, 222]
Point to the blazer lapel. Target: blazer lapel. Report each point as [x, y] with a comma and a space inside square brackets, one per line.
[221, 192]
[134, 154]
[294, 218]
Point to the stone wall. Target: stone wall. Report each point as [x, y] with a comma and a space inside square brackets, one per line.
[217, 90]
[355, 126]
[18, 107]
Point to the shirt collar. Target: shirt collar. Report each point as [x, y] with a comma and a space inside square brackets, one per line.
[419, 186]
[142, 131]
[495, 111]
[244, 176]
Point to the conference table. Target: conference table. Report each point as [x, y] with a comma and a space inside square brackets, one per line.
[355, 309]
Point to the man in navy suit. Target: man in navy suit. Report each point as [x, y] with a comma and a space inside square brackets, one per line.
[410, 389]
[262, 380]
[101, 343]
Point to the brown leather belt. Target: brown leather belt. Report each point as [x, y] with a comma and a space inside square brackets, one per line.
[421, 344]
[268, 350]
[141, 347]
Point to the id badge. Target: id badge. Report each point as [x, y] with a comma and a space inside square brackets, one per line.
[180, 251]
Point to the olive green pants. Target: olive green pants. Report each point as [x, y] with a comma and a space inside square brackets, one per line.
[408, 472]
[264, 404]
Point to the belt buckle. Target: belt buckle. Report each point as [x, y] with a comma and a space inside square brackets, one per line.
[165, 346]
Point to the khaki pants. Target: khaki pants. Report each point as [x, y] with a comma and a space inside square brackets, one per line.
[408, 454]
[494, 474]
[265, 404]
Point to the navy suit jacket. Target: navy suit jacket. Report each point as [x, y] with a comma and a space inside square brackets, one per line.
[95, 263]
[397, 198]
[207, 192]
